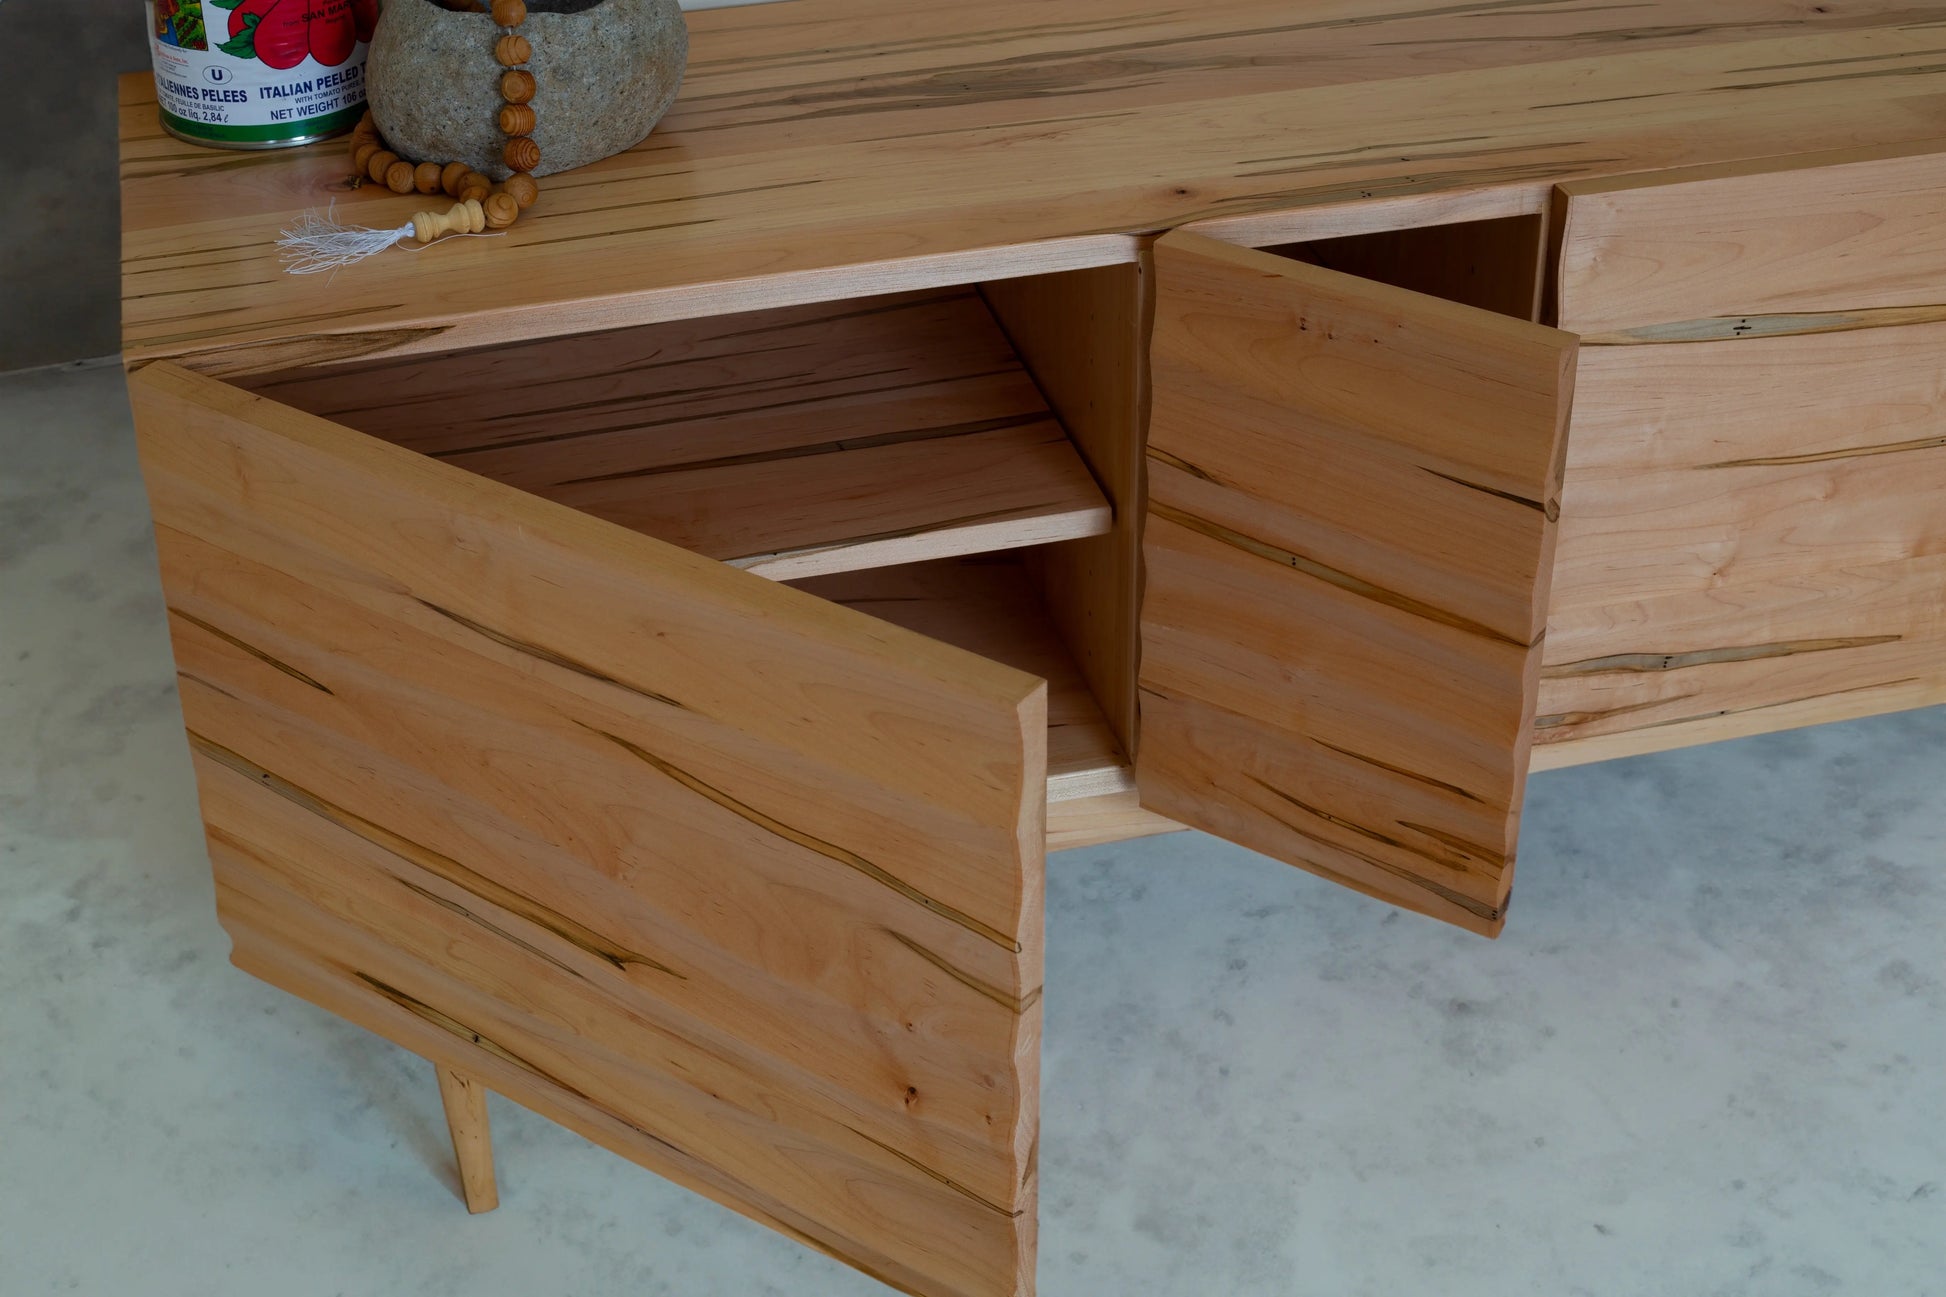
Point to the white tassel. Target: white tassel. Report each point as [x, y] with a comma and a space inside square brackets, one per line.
[318, 243]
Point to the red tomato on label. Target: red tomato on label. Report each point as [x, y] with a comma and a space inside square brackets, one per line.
[288, 30]
[333, 30]
[365, 17]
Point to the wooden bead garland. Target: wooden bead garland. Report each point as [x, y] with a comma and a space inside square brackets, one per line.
[522, 154]
[517, 86]
[479, 206]
[517, 119]
[501, 210]
[522, 187]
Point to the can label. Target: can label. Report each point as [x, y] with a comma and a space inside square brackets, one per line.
[260, 72]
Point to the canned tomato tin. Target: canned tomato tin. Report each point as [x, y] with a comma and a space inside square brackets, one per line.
[259, 74]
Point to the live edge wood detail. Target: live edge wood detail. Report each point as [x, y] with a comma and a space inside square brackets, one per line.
[1752, 533]
[1810, 243]
[834, 148]
[1352, 498]
[502, 758]
[787, 443]
[738, 883]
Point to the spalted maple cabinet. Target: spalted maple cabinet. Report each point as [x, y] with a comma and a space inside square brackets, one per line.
[640, 663]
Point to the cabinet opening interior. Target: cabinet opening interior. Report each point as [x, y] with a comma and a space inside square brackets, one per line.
[894, 453]
[1493, 264]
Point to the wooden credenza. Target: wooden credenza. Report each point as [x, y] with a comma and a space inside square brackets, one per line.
[641, 663]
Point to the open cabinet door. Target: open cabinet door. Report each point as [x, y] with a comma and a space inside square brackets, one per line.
[1352, 495]
[740, 884]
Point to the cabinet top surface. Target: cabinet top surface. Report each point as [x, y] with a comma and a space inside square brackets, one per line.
[830, 148]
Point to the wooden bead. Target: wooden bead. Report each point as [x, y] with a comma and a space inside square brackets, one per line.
[361, 156]
[522, 154]
[425, 178]
[474, 187]
[379, 164]
[399, 177]
[517, 87]
[512, 50]
[517, 119]
[450, 178]
[366, 130]
[510, 13]
[501, 211]
[522, 187]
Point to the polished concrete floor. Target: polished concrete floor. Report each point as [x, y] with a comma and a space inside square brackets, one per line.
[1708, 1058]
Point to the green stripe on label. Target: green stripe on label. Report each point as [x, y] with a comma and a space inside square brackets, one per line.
[343, 119]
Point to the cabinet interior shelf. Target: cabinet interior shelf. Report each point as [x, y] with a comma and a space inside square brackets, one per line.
[789, 442]
[992, 605]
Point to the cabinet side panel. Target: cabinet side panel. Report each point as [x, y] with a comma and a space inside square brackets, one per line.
[1083, 337]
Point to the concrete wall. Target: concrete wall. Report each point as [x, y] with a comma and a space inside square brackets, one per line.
[60, 220]
[60, 242]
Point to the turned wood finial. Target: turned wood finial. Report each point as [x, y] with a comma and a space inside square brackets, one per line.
[464, 218]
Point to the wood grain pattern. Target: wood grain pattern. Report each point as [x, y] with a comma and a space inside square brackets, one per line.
[787, 443]
[464, 1100]
[1842, 703]
[836, 148]
[738, 882]
[1492, 264]
[1084, 336]
[1106, 817]
[1352, 493]
[991, 605]
[1747, 526]
[1816, 233]
[1751, 533]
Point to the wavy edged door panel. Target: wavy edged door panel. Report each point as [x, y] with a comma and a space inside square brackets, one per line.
[1752, 538]
[1352, 495]
[1752, 535]
[738, 883]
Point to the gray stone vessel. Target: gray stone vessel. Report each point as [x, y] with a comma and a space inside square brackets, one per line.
[605, 72]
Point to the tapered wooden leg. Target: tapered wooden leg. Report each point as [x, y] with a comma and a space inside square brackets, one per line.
[466, 1118]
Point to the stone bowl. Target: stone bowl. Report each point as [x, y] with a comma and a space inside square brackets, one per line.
[605, 71]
